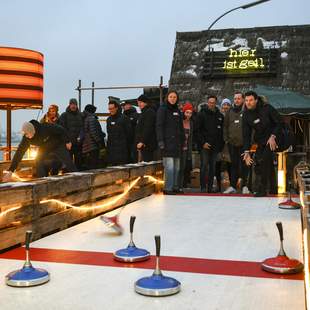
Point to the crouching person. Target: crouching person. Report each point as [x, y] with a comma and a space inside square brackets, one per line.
[51, 139]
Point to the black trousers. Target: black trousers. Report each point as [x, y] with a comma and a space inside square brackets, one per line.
[238, 166]
[207, 168]
[91, 159]
[264, 168]
[60, 153]
[147, 155]
[76, 155]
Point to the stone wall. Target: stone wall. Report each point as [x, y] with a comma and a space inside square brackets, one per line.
[293, 70]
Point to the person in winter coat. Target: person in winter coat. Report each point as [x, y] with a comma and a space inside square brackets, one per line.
[72, 121]
[210, 140]
[234, 139]
[145, 133]
[186, 156]
[53, 142]
[120, 136]
[51, 116]
[93, 138]
[170, 137]
[265, 121]
[133, 115]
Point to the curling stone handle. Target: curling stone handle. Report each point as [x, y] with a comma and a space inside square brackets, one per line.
[157, 243]
[28, 238]
[131, 223]
[280, 229]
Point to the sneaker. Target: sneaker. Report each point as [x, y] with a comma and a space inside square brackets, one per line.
[260, 194]
[245, 190]
[165, 192]
[230, 190]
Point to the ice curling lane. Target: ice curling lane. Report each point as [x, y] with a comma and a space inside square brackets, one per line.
[28, 275]
[131, 253]
[289, 204]
[157, 284]
[281, 263]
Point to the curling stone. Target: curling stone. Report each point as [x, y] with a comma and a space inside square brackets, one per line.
[113, 223]
[281, 263]
[289, 204]
[28, 275]
[157, 284]
[131, 253]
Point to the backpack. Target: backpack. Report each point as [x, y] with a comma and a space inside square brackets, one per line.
[286, 138]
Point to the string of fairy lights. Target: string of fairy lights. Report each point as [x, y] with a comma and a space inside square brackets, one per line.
[92, 207]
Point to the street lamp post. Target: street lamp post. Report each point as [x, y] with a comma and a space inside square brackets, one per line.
[246, 6]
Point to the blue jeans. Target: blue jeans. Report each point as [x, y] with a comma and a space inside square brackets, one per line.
[207, 163]
[171, 173]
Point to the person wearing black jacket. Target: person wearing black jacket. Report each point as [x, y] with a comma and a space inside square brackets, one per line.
[53, 142]
[210, 140]
[133, 115]
[120, 136]
[72, 121]
[145, 140]
[264, 120]
[170, 137]
[93, 138]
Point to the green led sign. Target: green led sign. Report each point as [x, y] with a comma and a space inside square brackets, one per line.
[240, 63]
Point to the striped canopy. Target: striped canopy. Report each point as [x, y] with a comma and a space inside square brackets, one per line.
[21, 79]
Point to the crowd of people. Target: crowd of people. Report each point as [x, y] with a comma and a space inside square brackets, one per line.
[223, 134]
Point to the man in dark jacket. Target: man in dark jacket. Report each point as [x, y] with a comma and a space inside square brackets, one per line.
[234, 139]
[120, 136]
[72, 121]
[53, 142]
[210, 140]
[133, 115]
[266, 123]
[145, 140]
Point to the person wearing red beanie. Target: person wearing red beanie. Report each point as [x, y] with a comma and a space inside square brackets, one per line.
[186, 156]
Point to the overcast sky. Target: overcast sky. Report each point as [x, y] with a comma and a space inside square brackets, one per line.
[119, 42]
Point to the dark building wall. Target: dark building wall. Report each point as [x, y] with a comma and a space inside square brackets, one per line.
[293, 68]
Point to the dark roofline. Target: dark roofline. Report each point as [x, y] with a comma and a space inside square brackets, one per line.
[198, 34]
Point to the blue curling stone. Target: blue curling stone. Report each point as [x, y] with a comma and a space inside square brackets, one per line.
[27, 276]
[131, 254]
[157, 285]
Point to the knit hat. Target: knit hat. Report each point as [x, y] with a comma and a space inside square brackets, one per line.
[73, 101]
[90, 108]
[188, 106]
[143, 98]
[225, 101]
[28, 128]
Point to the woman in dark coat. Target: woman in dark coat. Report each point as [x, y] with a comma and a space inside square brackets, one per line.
[93, 138]
[170, 137]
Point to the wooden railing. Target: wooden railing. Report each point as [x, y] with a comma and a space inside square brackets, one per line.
[52, 204]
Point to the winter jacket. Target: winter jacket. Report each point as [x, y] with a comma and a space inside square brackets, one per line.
[264, 120]
[93, 135]
[169, 130]
[72, 122]
[48, 137]
[120, 137]
[211, 128]
[133, 115]
[233, 126]
[146, 129]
